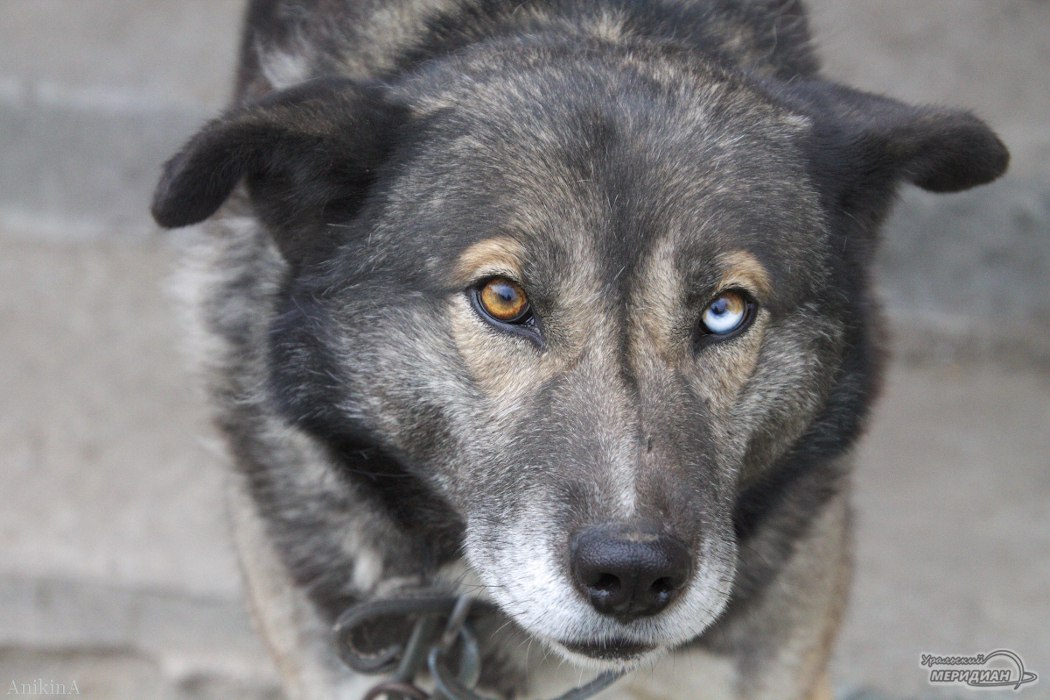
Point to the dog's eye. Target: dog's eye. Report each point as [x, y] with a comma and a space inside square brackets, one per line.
[728, 313]
[503, 300]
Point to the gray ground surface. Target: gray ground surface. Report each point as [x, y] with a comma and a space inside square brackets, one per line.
[115, 567]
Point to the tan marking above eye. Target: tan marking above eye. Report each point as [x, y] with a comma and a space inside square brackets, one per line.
[504, 300]
[742, 269]
[500, 255]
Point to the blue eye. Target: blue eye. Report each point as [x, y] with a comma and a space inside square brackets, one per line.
[729, 312]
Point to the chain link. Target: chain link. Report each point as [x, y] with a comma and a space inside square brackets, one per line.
[426, 646]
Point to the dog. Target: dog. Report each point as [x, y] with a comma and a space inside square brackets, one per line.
[561, 304]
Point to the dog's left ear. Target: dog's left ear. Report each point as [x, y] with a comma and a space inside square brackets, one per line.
[864, 144]
[303, 151]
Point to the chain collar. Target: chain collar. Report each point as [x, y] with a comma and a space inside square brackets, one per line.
[430, 645]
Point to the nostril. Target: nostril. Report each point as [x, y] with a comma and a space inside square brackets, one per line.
[662, 586]
[606, 583]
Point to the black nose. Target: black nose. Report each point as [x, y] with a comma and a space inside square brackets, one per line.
[628, 571]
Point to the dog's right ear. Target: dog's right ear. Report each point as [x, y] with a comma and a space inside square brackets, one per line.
[304, 151]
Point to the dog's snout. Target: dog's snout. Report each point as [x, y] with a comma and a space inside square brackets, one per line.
[629, 572]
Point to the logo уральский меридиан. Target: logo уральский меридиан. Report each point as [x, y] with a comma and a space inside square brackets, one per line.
[1001, 668]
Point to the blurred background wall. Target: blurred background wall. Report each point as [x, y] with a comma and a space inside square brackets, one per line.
[115, 568]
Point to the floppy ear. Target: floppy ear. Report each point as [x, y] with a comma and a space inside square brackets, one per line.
[304, 152]
[864, 144]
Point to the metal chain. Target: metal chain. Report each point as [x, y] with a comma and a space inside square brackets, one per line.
[427, 646]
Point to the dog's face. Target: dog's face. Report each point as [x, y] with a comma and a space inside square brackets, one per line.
[585, 304]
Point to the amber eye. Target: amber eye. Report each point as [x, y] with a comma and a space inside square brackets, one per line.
[503, 300]
[728, 313]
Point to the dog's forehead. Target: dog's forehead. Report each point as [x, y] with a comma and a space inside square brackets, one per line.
[588, 168]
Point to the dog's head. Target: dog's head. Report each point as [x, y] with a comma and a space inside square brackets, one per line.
[586, 302]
